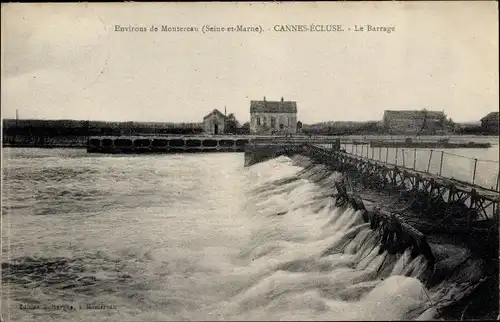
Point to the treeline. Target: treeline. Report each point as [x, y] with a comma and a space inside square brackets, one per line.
[232, 126]
[471, 129]
[374, 127]
[344, 128]
[66, 128]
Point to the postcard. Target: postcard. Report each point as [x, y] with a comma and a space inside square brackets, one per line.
[250, 161]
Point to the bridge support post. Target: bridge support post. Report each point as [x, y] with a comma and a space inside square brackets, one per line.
[441, 163]
[414, 159]
[429, 164]
[474, 173]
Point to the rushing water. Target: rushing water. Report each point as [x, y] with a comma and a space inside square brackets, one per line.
[195, 237]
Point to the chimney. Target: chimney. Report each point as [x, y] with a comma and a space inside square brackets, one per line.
[281, 98]
[264, 98]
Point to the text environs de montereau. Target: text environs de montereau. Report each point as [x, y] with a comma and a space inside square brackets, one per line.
[164, 28]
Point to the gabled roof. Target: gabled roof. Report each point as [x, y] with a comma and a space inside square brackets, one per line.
[273, 107]
[491, 117]
[414, 114]
[215, 112]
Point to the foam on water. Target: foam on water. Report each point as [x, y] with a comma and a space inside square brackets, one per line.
[260, 243]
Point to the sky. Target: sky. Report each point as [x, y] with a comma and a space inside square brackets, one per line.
[66, 61]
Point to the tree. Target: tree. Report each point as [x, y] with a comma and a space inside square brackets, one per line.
[245, 128]
[450, 125]
[424, 121]
[232, 124]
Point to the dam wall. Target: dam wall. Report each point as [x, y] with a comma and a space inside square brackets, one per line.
[188, 144]
[158, 144]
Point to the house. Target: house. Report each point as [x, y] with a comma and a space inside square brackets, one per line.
[413, 122]
[273, 117]
[214, 122]
[490, 123]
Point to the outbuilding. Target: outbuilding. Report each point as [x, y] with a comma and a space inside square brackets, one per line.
[214, 123]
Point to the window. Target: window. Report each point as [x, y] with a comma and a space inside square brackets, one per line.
[273, 122]
[258, 121]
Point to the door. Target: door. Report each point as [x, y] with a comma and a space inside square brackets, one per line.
[216, 128]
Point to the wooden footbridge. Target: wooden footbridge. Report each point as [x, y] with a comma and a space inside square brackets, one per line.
[478, 203]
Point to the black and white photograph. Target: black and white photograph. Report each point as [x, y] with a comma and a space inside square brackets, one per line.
[250, 161]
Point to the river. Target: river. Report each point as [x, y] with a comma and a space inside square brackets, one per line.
[192, 237]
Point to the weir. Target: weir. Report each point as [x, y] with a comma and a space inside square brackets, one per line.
[411, 210]
[165, 144]
[185, 144]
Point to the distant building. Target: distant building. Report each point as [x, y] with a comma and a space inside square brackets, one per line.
[214, 122]
[412, 122]
[273, 117]
[490, 123]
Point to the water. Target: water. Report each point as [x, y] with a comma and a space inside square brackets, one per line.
[197, 237]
